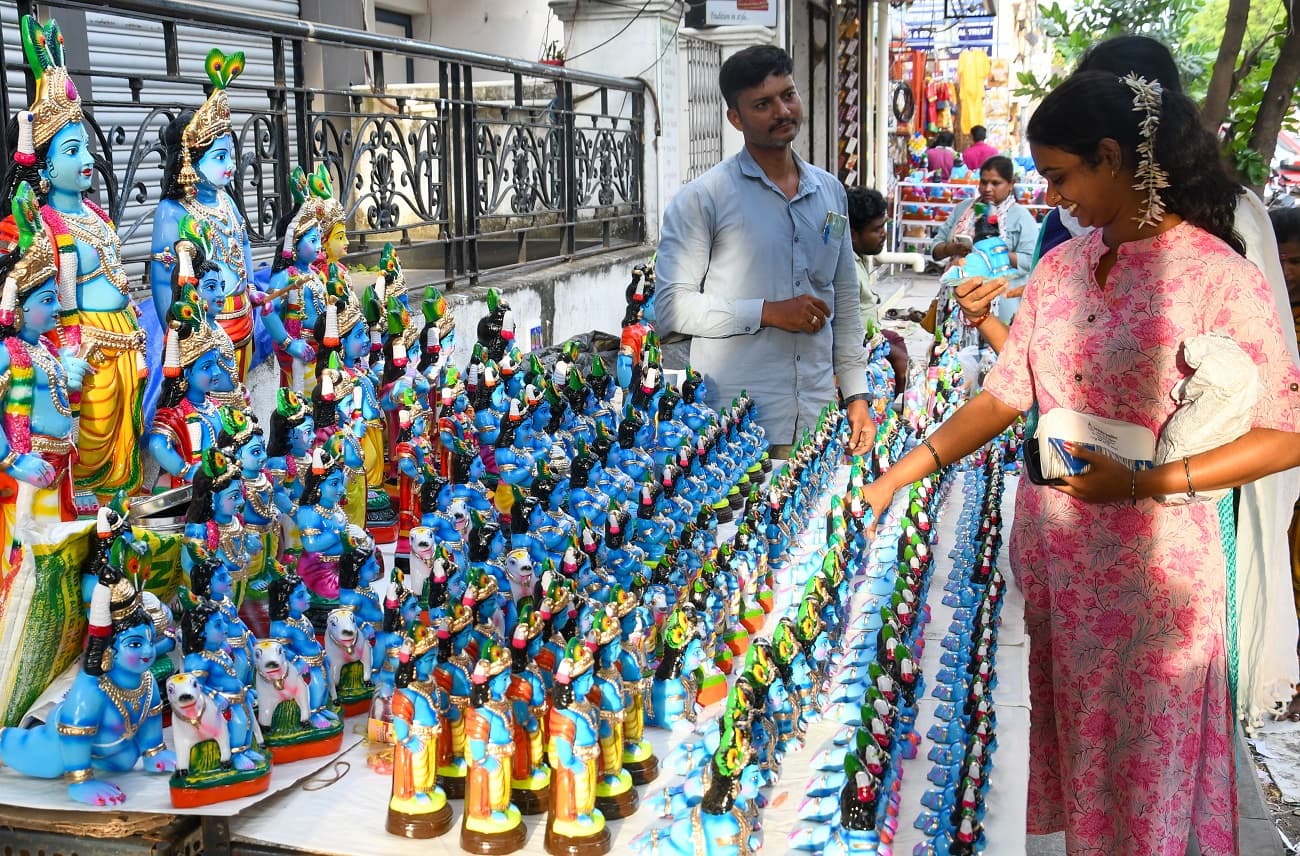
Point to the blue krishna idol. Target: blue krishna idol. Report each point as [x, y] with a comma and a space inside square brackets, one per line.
[37, 434]
[290, 680]
[212, 718]
[720, 825]
[575, 825]
[98, 319]
[112, 716]
[492, 823]
[673, 691]
[200, 167]
[418, 806]
[187, 421]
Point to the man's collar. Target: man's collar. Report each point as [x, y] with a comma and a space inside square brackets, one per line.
[750, 167]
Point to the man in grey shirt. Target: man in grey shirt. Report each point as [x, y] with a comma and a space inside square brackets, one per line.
[756, 264]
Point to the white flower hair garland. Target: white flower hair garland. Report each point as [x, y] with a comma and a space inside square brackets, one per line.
[1147, 97]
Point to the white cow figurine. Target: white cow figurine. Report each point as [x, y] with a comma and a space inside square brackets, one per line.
[196, 717]
[345, 643]
[422, 549]
[278, 679]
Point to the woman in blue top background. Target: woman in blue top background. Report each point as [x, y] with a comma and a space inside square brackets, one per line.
[1016, 225]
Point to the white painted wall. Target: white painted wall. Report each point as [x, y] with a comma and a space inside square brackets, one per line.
[593, 299]
[514, 28]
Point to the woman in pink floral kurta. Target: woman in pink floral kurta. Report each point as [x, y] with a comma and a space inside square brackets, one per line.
[1131, 746]
[1131, 727]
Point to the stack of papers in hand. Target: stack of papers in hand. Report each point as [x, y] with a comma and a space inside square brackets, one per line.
[1131, 445]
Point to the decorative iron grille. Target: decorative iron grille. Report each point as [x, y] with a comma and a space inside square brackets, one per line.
[704, 105]
[543, 163]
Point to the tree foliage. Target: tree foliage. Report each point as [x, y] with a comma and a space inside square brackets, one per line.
[1076, 28]
[1194, 29]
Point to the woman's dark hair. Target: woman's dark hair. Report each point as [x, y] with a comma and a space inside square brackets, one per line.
[1093, 106]
[749, 68]
[193, 625]
[865, 205]
[1140, 55]
[1002, 165]
[281, 590]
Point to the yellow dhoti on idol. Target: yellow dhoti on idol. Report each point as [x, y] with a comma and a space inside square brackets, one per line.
[108, 444]
[356, 498]
[269, 534]
[372, 447]
[634, 719]
[611, 747]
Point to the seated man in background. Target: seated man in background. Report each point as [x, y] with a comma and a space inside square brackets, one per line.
[867, 228]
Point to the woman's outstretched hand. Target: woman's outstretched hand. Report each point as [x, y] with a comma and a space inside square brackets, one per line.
[877, 496]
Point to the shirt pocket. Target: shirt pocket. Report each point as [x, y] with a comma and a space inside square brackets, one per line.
[823, 263]
[822, 289]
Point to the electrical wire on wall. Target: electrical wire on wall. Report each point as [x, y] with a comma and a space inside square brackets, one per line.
[621, 31]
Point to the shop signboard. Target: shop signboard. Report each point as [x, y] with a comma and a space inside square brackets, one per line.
[975, 35]
[718, 13]
[948, 24]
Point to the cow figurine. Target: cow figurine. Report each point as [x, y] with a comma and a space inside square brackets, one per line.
[345, 643]
[278, 679]
[197, 715]
[422, 549]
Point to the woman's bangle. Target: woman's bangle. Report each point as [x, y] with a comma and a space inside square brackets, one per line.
[938, 464]
[1133, 488]
[976, 321]
[1187, 471]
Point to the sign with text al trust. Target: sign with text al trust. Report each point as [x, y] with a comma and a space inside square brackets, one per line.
[719, 13]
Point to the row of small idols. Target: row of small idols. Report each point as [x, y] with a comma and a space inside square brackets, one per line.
[279, 695]
[716, 806]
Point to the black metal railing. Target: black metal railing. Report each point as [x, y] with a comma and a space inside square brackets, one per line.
[540, 163]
